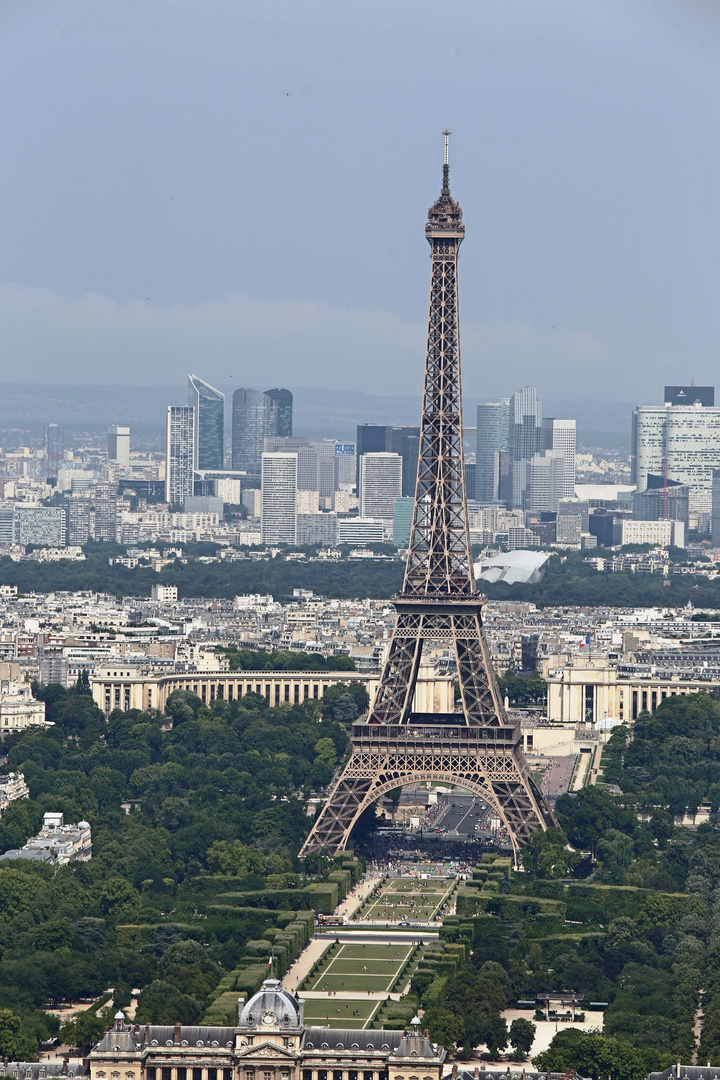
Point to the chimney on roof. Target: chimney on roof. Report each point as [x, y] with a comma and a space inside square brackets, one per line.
[476, 1074]
[454, 1070]
[176, 1034]
[677, 1067]
[147, 1033]
[64, 1066]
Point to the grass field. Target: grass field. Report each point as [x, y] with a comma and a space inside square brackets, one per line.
[358, 967]
[340, 1012]
[402, 900]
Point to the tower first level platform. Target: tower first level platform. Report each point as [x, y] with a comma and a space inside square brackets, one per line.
[487, 761]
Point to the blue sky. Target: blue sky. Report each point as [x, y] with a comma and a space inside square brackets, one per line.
[241, 191]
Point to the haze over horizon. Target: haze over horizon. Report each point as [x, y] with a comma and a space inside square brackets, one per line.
[193, 188]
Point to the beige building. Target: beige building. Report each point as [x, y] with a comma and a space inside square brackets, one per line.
[18, 708]
[270, 1042]
[588, 691]
[122, 686]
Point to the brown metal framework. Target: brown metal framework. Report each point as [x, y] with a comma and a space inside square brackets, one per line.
[475, 748]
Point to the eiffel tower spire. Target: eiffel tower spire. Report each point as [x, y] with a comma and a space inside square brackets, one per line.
[475, 748]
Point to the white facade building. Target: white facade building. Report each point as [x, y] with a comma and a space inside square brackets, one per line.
[663, 533]
[360, 531]
[12, 787]
[278, 519]
[560, 435]
[18, 708]
[547, 481]
[687, 438]
[380, 485]
[119, 444]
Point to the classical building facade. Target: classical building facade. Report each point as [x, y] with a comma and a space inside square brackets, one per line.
[270, 1042]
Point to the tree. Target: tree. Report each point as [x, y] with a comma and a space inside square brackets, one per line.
[84, 1029]
[163, 1003]
[592, 1055]
[522, 1036]
[15, 1043]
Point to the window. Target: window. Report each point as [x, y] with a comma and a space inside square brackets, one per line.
[322, 1074]
[337, 1075]
[353, 1074]
[286, 1042]
[227, 1074]
[182, 1074]
[151, 1073]
[212, 1074]
[307, 1074]
[368, 1076]
[197, 1074]
[167, 1074]
[267, 1076]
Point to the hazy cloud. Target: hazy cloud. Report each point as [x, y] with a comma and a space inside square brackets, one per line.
[48, 338]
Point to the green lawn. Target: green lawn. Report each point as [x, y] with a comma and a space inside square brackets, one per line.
[340, 1012]
[354, 968]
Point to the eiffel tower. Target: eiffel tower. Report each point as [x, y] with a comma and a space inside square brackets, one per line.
[476, 748]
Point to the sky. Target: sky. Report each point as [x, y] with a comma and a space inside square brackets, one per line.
[241, 191]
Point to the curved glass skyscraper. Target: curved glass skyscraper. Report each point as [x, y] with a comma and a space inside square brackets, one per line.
[209, 405]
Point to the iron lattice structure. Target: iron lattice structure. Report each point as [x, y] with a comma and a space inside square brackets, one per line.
[475, 748]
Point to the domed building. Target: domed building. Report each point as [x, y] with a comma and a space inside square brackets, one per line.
[270, 1042]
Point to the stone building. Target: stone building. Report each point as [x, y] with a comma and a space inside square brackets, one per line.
[270, 1042]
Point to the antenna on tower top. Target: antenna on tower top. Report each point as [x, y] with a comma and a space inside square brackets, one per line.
[446, 164]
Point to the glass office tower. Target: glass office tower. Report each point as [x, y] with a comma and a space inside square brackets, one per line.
[209, 406]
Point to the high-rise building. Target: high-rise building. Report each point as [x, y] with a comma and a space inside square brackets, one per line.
[680, 442]
[43, 526]
[250, 427]
[381, 438]
[119, 444]
[179, 453]
[209, 406]
[78, 509]
[492, 439]
[106, 512]
[281, 412]
[54, 449]
[560, 435]
[661, 500]
[690, 395]
[380, 485]
[278, 521]
[546, 482]
[525, 428]
[7, 525]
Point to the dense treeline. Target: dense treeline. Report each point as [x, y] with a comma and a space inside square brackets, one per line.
[285, 660]
[568, 580]
[168, 798]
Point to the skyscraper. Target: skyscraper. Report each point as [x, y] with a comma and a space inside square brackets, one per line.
[119, 444]
[560, 434]
[380, 485]
[381, 438]
[546, 481]
[54, 449]
[681, 442]
[209, 406]
[525, 427]
[106, 512]
[278, 523]
[281, 410]
[250, 426]
[493, 434]
[179, 453]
